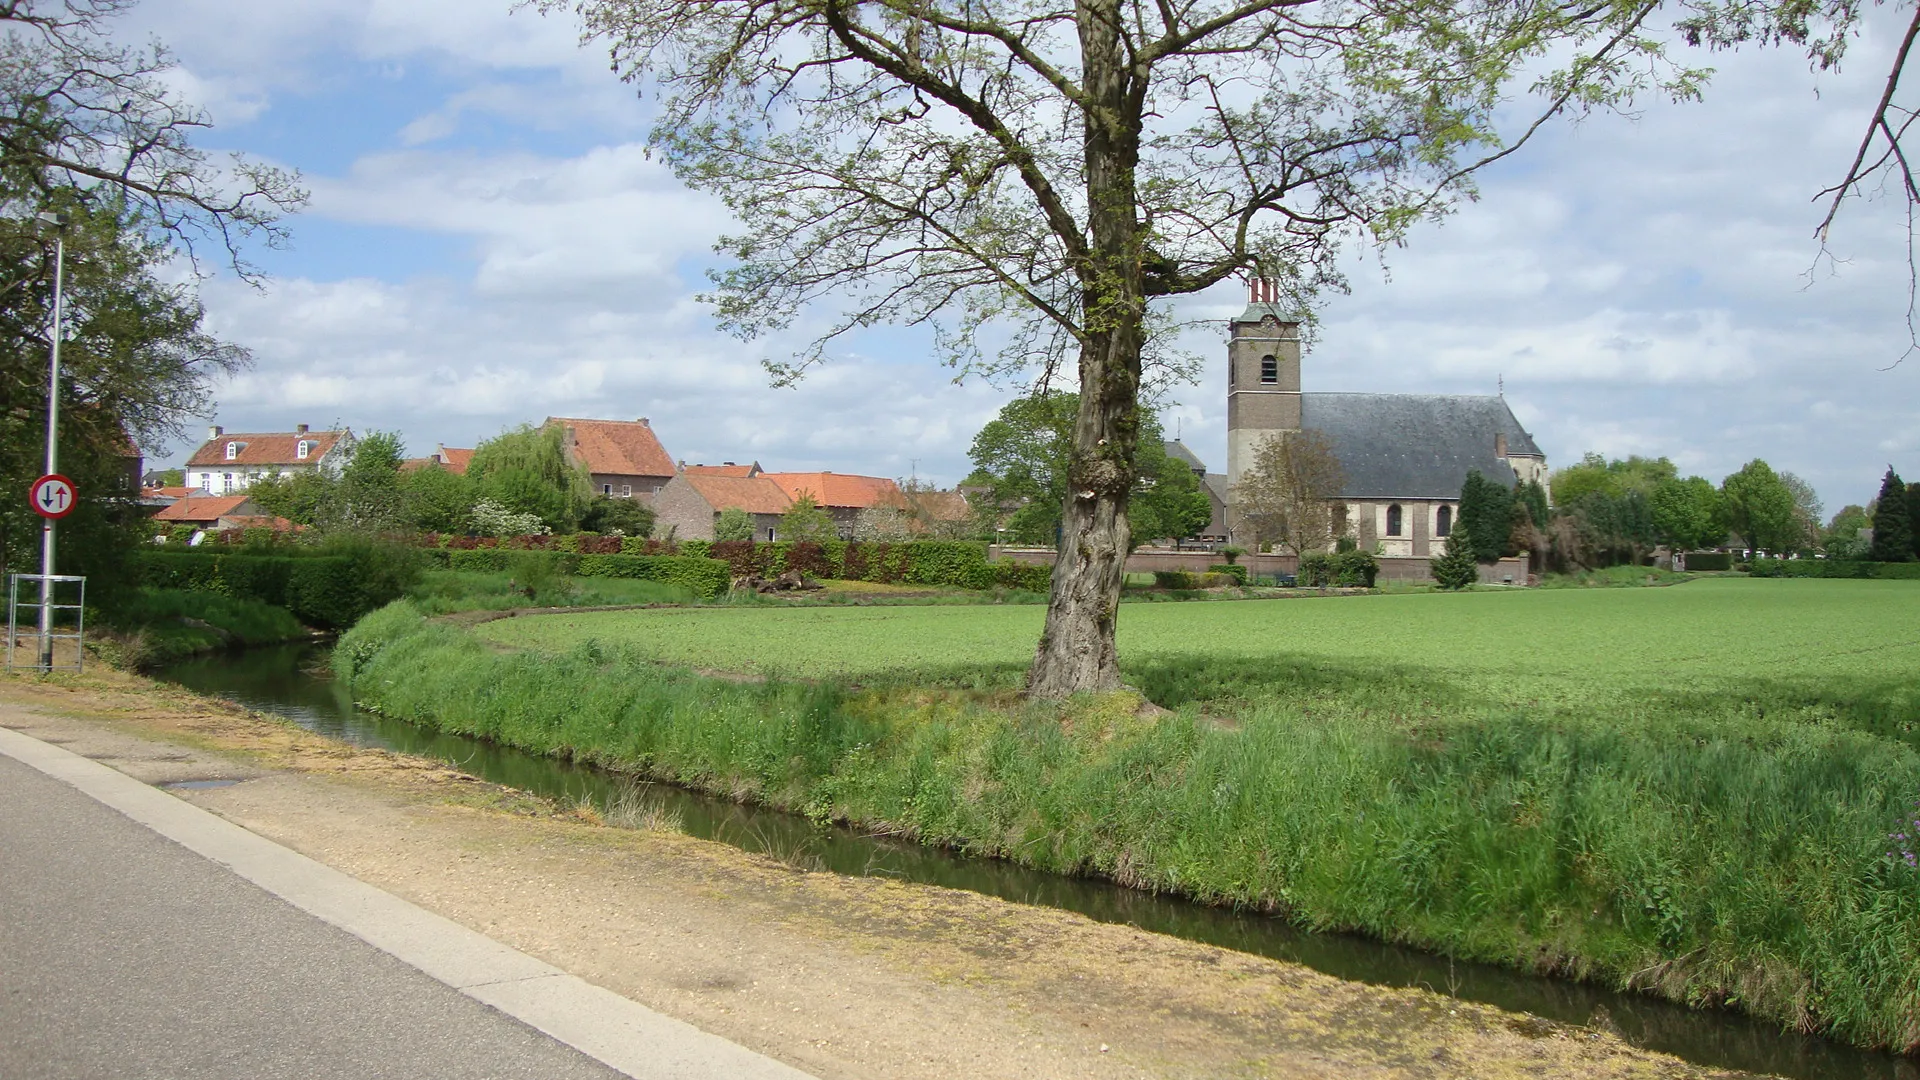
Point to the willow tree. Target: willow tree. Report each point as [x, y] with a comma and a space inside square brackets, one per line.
[1062, 167]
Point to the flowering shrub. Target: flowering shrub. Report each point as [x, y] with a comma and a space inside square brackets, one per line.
[1907, 841]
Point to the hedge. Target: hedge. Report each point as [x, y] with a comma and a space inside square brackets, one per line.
[1708, 560]
[1832, 568]
[958, 563]
[1025, 577]
[706, 578]
[328, 591]
[1345, 568]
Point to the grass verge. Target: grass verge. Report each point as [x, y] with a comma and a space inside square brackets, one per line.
[151, 628]
[1715, 843]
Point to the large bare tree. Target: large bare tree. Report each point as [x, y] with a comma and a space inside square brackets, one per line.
[1288, 495]
[1060, 166]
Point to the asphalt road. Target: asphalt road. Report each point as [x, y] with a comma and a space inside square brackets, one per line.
[124, 955]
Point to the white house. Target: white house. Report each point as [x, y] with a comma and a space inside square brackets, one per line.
[229, 461]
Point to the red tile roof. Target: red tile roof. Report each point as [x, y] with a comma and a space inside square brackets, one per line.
[449, 458]
[207, 508]
[269, 448]
[455, 460]
[943, 505]
[839, 489]
[168, 492]
[722, 470]
[616, 447]
[755, 495]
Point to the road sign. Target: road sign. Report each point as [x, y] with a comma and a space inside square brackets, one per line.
[52, 496]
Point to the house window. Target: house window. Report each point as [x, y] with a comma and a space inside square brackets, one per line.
[233, 451]
[1444, 523]
[226, 482]
[626, 491]
[301, 449]
[769, 534]
[606, 489]
[1269, 370]
[1393, 520]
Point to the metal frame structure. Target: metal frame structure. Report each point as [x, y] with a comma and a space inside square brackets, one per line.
[45, 631]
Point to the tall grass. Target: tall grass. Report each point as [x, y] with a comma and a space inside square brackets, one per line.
[148, 628]
[440, 592]
[1716, 849]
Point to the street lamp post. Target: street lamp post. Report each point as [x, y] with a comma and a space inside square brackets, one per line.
[53, 437]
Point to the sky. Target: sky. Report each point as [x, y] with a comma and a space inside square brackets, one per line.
[488, 244]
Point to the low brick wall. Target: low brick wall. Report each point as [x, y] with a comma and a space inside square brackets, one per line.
[1148, 560]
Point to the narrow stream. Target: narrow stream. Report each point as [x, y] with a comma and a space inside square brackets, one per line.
[292, 682]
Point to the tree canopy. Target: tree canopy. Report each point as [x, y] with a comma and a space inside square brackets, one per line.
[1760, 508]
[527, 471]
[1023, 457]
[1892, 522]
[1039, 175]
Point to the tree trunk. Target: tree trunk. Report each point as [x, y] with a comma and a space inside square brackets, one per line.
[1076, 652]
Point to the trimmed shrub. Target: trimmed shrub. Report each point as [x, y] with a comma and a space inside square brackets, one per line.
[1233, 570]
[1176, 579]
[705, 578]
[1345, 569]
[1833, 568]
[1456, 568]
[325, 590]
[1025, 577]
[1709, 560]
[956, 563]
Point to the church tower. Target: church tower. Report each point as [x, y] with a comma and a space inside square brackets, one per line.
[1263, 375]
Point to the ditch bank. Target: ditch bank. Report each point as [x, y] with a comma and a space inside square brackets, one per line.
[1532, 846]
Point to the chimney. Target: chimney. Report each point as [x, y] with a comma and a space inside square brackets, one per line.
[644, 422]
[299, 429]
[1500, 444]
[726, 463]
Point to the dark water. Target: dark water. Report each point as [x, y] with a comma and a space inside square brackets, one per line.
[292, 681]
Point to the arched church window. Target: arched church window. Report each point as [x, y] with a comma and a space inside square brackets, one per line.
[1269, 369]
[1393, 520]
[1444, 526]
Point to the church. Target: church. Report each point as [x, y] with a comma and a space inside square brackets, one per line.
[1405, 456]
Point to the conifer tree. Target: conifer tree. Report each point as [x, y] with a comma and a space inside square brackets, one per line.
[1456, 568]
[1485, 509]
[1913, 516]
[1892, 522]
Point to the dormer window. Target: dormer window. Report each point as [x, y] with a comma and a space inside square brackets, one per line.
[301, 449]
[233, 451]
[1269, 370]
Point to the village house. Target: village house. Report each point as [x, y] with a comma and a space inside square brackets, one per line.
[841, 495]
[230, 461]
[451, 458]
[214, 512]
[691, 502]
[624, 457]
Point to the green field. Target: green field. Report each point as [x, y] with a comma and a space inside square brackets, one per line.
[1564, 646]
[1684, 790]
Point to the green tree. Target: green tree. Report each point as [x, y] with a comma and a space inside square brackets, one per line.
[1892, 522]
[1760, 508]
[805, 522]
[1534, 497]
[628, 517]
[304, 498]
[526, 470]
[1457, 567]
[437, 499]
[170, 478]
[1913, 516]
[1024, 456]
[1065, 169]
[1597, 475]
[1687, 514]
[733, 524]
[1485, 518]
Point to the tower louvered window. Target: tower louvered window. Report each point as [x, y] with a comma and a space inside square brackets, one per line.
[1269, 370]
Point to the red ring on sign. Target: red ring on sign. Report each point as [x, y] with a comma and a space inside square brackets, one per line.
[54, 504]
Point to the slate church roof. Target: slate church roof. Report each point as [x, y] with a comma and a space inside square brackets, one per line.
[1415, 446]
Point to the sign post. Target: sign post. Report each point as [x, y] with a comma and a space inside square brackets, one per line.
[53, 484]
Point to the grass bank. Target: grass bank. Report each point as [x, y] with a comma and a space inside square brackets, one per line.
[151, 628]
[1691, 799]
